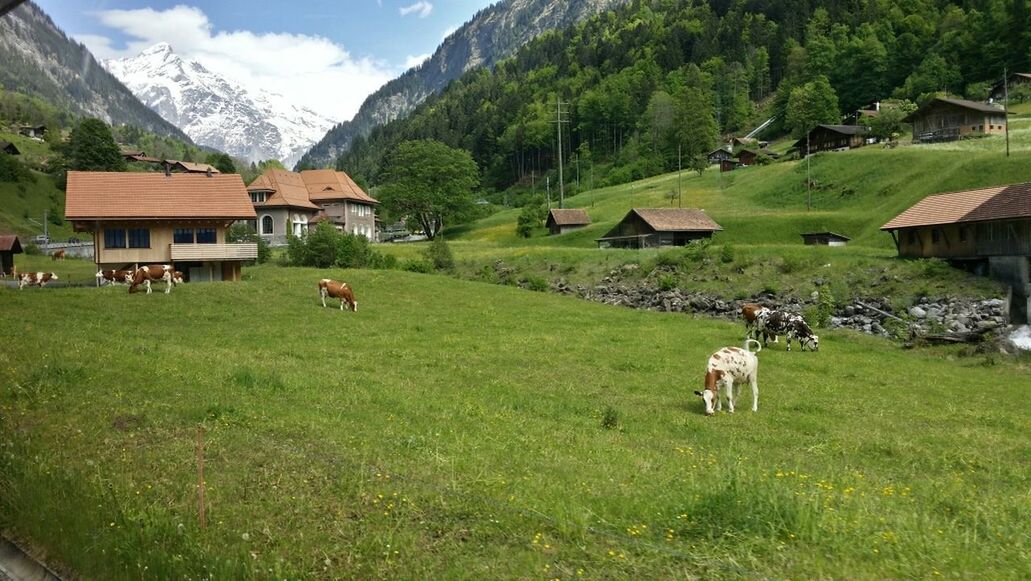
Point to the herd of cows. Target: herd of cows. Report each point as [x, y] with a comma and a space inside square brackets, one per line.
[734, 366]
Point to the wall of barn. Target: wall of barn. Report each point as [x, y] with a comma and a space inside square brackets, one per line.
[944, 120]
[944, 241]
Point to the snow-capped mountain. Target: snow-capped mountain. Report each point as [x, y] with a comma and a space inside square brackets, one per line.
[249, 123]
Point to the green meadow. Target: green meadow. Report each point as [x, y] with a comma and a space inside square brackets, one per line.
[455, 429]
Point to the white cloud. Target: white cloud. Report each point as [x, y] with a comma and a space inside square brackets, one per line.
[308, 70]
[422, 8]
[414, 61]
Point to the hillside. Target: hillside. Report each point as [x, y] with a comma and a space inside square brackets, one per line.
[491, 35]
[654, 80]
[39, 59]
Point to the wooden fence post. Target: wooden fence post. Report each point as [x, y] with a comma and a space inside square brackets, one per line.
[200, 476]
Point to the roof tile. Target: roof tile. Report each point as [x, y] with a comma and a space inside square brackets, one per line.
[113, 195]
[998, 203]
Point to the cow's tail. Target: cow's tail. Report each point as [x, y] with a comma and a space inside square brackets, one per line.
[758, 346]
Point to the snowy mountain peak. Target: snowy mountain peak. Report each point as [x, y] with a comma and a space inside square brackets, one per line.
[217, 112]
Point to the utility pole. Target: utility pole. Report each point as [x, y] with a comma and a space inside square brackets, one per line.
[548, 182]
[46, 227]
[1006, 105]
[593, 194]
[576, 157]
[559, 120]
[680, 169]
[808, 175]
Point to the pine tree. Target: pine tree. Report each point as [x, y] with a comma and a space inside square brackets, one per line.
[91, 147]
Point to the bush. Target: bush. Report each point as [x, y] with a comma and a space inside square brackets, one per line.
[819, 315]
[439, 255]
[532, 216]
[12, 170]
[536, 283]
[32, 250]
[243, 232]
[324, 247]
[727, 254]
[610, 419]
[667, 282]
[420, 266]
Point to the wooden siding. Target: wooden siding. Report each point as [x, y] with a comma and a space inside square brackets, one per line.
[1004, 238]
[945, 122]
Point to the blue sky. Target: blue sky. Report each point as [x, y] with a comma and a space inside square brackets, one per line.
[299, 49]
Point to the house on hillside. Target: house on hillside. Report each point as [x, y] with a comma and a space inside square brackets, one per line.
[655, 227]
[747, 157]
[189, 167]
[141, 157]
[33, 131]
[832, 138]
[290, 203]
[347, 206]
[987, 231]
[9, 148]
[824, 239]
[730, 164]
[718, 156]
[751, 142]
[158, 218]
[945, 119]
[1016, 80]
[280, 199]
[561, 221]
[9, 246]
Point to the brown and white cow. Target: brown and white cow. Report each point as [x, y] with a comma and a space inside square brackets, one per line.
[728, 367]
[337, 290]
[114, 277]
[752, 314]
[155, 272]
[39, 279]
[59, 255]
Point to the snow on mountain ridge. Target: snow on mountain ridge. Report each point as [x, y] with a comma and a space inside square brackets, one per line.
[214, 111]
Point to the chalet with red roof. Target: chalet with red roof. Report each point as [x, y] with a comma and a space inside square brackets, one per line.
[158, 218]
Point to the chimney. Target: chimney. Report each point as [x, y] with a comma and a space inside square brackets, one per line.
[208, 172]
[168, 169]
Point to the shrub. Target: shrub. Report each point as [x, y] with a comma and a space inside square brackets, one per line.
[324, 247]
[727, 254]
[667, 282]
[531, 217]
[243, 232]
[610, 418]
[420, 266]
[439, 255]
[536, 283]
[12, 170]
[33, 250]
[819, 315]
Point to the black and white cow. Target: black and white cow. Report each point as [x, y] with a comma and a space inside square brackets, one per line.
[773, 323]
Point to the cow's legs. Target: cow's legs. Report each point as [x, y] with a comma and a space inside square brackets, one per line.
[342, 301]
[730, 395]
[322, 295]
[168, 280]
[148, 286]
[754, 381]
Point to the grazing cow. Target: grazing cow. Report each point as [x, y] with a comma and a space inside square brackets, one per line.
[153, 272]
[59, 255]
[790, 325]
[114, 277]
[337, 290]
[728, 367]
[753, 315]
[39, 279]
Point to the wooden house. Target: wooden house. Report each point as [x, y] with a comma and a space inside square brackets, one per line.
[9, 148]
[945, 119]
[158, 218]
[718, 156]
[9, 246]
[999, 90]
[561, 221]
[987, 231]
[747, 157]
[730, 164]
[33, 131]
[289, 203]
[824, 239]
[141, 157]
[832, 138]
[189, 167]
[657, 227]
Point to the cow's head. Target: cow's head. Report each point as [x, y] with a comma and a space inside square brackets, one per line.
[53, 276]
[709, 397]
[177, 277]
[812, 342]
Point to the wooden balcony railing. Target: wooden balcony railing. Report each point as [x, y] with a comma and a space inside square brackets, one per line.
[186, 252]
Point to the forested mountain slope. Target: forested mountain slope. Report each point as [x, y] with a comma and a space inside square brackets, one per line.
[493, 34]
[661, 76]
[37, 58]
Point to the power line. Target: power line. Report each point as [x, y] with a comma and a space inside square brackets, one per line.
[561, 117]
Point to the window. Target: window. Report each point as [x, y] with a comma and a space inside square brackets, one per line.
[182, 236]
[114, 238]
[206, 236]
[139, 238]
[258, 197]
[267, 225]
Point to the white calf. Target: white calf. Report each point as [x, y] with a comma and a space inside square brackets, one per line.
[727, 367]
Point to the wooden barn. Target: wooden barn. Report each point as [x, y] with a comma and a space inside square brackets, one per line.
[33, 131]
[561, 221]
[987, 231]
[999, 90]
[951, 119]
[656, 227]
[825, 239]
[9, 246]
[832, 138]
[718, 156]
[9, 148]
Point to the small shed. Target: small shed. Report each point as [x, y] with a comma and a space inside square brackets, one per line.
[832, 138]
[825, 239]
[747, 157]
[33, 131]
[730, 164]
[9, 246]
[657, 227]
[9, 148]
[561, 221]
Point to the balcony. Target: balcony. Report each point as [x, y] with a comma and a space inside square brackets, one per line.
[194, 252]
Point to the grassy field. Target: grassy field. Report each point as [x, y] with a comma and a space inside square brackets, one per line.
[453, 429]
